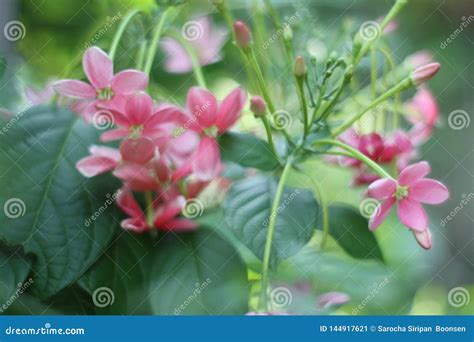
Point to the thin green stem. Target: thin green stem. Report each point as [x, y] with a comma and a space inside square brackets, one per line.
[155, 40]
[141, 54]
[303, 105]
[270, 233]
[120, 31]
[325, 211]
[198, 74]
[356, 154]
[149, 208]
[268, 130]
[403, 85]
[397, 108]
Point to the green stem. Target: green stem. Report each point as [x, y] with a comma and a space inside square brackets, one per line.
[271, 230]
[303, 104]
[356, 154]
[155, 40]
[397, 108]
[325, 209]
[118, 35]
[403, 85]
[268, 130]
[149, 208]
[141, 55]
[192, 55]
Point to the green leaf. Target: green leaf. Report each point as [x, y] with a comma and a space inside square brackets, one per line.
[48, 201]
[3, 66]
[247, 150]
[351, 232]
[248, 208]
[14, 268]
[192, 273]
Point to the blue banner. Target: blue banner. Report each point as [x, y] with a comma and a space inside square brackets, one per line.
[238, 328]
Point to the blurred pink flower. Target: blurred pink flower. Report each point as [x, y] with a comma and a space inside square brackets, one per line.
[409, 191]
[40, 96]
[419, 58]
[102, 159]
[332, 299]
[105, 86]
[206, 40]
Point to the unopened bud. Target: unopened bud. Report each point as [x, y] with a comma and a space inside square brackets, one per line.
[242, 35]
[299, 68]
[424, 73]
[258, 106]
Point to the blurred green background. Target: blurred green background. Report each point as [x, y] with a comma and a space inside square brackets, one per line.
[57, 33]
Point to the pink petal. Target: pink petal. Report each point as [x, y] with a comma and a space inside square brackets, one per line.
[114, 134]
[106, 152]
[381, 212]
[166, 113]
[139, 151]
[350, 137]
[74, 88]
[332, 299]
[424, 103]
[202, 106]
[412, 214]
[137, 225]
[126, 201]
[230, 109]
[423, 238]
[177, 59]
[168, 211]
[371, 145]
[139, 108]
[129, 81]
[136, 177]
[207, 160]
[98, 67]
[94, 165]
[428, 191]
[414, 172]
[382, 188]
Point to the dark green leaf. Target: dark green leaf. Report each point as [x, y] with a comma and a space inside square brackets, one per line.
[14, 268]
[3, 66]
[248, 208]
[48, 201]
[247, 150]
[351, 232]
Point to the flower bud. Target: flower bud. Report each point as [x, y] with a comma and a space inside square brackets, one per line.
[419, 58]
[299, 68]
[424, 73]
[424, 238]
[242, 35]
[258, 106]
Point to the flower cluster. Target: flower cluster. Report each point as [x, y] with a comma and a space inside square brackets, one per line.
[169, 153]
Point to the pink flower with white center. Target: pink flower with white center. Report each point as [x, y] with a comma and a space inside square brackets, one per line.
[102, 159]
[206, 41]
[423, 114]
[104, 85]
[208, 117]
[410, 191]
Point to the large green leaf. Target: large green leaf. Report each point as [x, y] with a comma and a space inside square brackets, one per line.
[248, 208]
[193, 273]
[247, 150]
[351, 232]
[14, 268]
[3, 66]
[47, 202]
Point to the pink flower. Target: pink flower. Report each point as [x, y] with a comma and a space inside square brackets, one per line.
[105, 86]
[42, 96]
[423, 114]
[332, 299]
[419, 58]
[103, 159]
[206, 40]
[409, 191]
